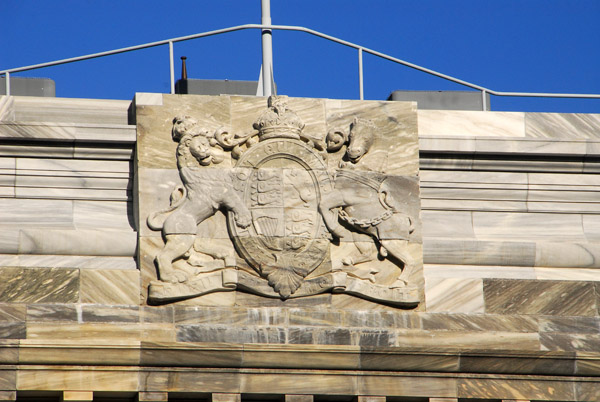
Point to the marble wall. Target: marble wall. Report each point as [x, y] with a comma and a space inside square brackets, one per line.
[511, 281]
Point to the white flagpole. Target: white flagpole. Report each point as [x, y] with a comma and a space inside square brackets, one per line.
[267, 50]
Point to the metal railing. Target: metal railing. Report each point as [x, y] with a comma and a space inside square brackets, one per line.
[361, 51]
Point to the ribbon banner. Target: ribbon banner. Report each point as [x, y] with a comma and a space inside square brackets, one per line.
[230, 279]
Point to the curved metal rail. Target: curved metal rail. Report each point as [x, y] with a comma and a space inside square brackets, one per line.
[361, 50]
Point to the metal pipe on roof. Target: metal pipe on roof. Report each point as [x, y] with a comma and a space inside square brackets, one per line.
[171, 68]
[267, 49]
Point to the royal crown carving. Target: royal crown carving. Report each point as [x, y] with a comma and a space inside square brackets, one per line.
[278, 121]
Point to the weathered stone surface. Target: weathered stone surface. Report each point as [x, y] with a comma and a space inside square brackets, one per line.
[30, 213]
[124, 314]
[580, 325]
[539, 297]
[570, 342]
[161, 354]
[12, 330]
[588, 364]
[527, 389]
[8, 379]
[479, 322]
[469, 340]
[233, 316]
[157, 314]
[79, 352]
[93, 332]
[587, 391]
[9, 353]
[67, 261]
[77, 396]
[220, 397]
[339, 336]
[455, 295]
[548, 363]
[50, 379]
[286, 382]
[31, 285]
[89, 111]
[121, 243]
[478, 271]
[102, 214]
[371, 398]
[153, 397]
[302, 357]
[415, 385]
[51, 313]
[300, 336]
[561, 125]
[380, 358]
[12, 312]
[372, 338]
[110, 286]
[319, 318]
[8, 395]
[499, 253]
[381, 319]
[194, 333]
[471, 124]
[299, 398]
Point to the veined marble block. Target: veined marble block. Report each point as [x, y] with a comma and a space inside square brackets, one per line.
[248, 198]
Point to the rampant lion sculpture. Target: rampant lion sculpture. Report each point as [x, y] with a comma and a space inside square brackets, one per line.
[204, 191]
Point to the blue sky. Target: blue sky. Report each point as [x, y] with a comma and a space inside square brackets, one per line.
[505, 45]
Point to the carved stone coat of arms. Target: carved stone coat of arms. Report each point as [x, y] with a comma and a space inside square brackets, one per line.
[297, 203]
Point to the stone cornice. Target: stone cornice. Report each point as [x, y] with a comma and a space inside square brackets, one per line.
[300, 357]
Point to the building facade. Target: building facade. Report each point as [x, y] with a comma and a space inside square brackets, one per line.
[505, 240]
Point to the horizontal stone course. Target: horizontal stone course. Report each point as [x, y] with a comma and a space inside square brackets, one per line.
[123, 314]
[194, 333]
[479, 322]
[548, 362]
[514, 389]
[52, 313]
[573, 325]
[94, 111]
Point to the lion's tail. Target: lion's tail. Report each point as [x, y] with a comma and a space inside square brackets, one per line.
[156, 220]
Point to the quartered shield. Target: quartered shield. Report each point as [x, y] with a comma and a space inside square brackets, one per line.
[281, 182]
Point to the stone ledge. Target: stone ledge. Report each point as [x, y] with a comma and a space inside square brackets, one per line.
[514, 146]
[304, 357]
[542, 254]
[279, 382]
[67, 132]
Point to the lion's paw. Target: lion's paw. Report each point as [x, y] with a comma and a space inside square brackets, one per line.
[243, 220]
[174, 276]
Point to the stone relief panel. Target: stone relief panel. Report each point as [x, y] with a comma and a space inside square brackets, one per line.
[281, 198]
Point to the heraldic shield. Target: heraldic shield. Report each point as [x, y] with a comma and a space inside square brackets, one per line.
[280, 211]
[281, 182]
